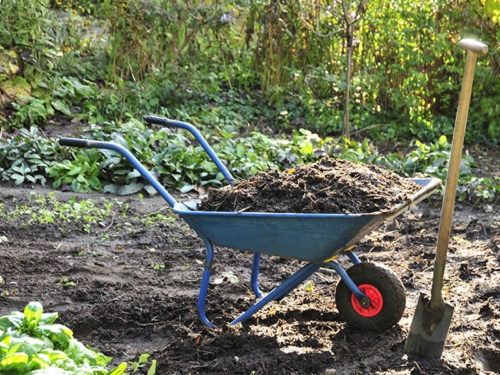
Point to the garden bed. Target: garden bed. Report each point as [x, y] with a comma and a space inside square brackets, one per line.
[128, 283]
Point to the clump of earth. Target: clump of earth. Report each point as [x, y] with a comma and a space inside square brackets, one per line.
[326, 186]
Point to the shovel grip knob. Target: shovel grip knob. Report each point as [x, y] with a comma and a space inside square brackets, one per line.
[473, 45]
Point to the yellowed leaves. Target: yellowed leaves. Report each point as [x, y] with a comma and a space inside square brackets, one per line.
[13, 87]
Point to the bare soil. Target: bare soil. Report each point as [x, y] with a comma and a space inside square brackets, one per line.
[326, 186]
[130, 286]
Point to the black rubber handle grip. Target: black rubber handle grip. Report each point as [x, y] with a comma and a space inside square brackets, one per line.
[74, 142]
[159, 120]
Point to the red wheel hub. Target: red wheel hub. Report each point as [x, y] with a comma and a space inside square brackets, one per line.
[376, 301]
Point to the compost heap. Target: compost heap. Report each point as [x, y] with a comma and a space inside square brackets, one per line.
[326, 186]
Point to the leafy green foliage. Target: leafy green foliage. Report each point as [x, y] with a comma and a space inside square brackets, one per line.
[30, 158]
[142, 363]
[178, 161]
[25, 31]
[81, 173]
[409, 82]
[237, 70]
[276, 57]
[407, 68]
[24, 157]
[31, 343]
[145, 40]
[55, 96]
[34, 111]
[42, 76]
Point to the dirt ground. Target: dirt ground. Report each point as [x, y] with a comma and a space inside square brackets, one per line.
[130, 284]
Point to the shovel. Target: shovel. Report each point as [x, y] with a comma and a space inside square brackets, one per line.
[432, 319]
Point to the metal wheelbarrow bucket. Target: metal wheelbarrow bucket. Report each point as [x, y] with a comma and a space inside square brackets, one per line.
[369, 296]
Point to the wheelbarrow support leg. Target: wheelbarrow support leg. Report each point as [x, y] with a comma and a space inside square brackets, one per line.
[205, 281]
[255, 275]
[347, 279]
[282, 290]
[353, 257]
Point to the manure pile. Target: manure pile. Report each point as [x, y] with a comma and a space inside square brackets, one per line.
[327, 186]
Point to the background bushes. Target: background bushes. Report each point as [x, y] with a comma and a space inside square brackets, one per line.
[251, 74]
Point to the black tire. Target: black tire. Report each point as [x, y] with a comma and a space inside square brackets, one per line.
[387, 283]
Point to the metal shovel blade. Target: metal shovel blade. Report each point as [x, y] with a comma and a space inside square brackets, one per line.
[428, 333]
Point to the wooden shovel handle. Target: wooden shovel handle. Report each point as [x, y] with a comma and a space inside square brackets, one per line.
[472, 47]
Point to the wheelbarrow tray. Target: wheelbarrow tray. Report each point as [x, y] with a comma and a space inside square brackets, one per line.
[310, 237]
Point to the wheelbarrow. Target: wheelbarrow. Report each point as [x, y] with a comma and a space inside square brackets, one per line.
[369, 296]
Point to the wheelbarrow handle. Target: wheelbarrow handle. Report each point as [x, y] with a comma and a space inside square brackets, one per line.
[74, 142]
[184, 125]
[87, 143]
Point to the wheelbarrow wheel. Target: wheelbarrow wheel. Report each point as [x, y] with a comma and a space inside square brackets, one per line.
[385, 290]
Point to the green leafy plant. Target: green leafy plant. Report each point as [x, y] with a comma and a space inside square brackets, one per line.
[177, 162]
[81, 173]
[33, 112]
[27, 31]
[228, 68]
[158, 266]
[31, 343]
[157, 220]
[248, 63]
[66, 282]
[141, 363]
[25, 156]
[54, 94]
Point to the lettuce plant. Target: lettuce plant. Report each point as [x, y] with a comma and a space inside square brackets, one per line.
[31, 344]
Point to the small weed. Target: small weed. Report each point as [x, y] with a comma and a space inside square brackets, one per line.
[157, 220]
[141, 363]
[67, 282]
[7, 293]
[158, 266]
[125, 209]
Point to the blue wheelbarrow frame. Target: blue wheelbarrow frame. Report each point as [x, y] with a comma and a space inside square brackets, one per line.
[314, 238]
